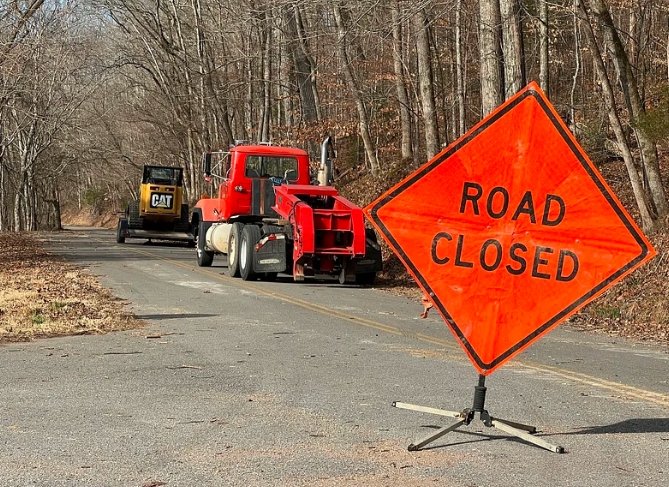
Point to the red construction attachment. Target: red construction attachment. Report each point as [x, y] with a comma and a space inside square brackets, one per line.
[325, 224]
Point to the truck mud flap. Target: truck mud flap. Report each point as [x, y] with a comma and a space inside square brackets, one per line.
[270, 254]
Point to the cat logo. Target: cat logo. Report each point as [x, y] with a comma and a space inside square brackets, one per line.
[161, 200]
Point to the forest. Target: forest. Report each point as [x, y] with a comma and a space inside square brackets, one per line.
[91, 90]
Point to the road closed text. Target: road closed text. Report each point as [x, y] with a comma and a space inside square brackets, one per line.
[541, 262]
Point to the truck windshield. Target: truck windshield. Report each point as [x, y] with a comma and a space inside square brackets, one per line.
[162, 175]
[279, 168]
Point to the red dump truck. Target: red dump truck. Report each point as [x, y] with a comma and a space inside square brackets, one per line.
[269, 217]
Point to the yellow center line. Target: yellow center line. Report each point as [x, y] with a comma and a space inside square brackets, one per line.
[629, 392]
[616, 387]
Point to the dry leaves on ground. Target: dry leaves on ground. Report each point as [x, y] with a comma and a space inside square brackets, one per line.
[44, 296]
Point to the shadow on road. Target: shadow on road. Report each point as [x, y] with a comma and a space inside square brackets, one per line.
[177, 316]
[637, 425]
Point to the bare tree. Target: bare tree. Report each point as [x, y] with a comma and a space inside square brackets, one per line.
[354, 90]
[304, 68]
[425, 84]
[513, 47]
[264, 130]
[628, 85]
[647, 220]
[489, 53]
[400, 86]
[459, 72]
[544, 73]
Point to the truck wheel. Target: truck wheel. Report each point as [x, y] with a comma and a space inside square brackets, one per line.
[204, 257]
[250, 237]
[234, 239]
[120, 230]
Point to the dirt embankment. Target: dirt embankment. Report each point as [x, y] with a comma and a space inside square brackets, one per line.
[89, 218]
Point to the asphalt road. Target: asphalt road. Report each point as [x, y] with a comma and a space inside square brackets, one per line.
[238, 383]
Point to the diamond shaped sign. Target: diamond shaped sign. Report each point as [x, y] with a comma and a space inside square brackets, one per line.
[510, 230]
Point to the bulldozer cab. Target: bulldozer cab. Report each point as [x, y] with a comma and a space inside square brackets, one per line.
[161, 192]
[167, 176]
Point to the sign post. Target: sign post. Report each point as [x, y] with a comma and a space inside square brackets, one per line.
[509, 231]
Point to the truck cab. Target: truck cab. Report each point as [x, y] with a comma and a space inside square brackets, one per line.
[247, 174]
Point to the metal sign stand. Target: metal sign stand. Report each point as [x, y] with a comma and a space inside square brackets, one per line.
[466, 416]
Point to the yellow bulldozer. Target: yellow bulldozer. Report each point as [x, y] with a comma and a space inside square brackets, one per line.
[160, 211]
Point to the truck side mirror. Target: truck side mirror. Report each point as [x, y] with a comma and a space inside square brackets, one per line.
[206, 164]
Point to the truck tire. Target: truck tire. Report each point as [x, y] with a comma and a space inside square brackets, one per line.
[204, 257]
[234, 240]
[134, 220]
[120, 230]
[250, 237]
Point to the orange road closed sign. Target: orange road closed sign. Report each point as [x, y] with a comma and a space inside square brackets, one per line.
[510, 230]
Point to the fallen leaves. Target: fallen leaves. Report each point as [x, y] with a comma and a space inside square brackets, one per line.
[43, 296]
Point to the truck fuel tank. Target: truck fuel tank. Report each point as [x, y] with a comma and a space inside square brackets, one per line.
[217, 237]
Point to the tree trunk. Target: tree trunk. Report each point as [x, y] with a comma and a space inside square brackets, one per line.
[287, 85]
[55, 204]
[3, 191]
[647, 221]
[267, 87]
[489, 52]
[304, 47]
[400, 86]
[459, 75]
[577, 70]
[17, 227]
[354, 91]
[629, 87]
[425, 84]
[302, 65]
[544, 73]
[250, 92]
[514, 55]
[202, 74]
